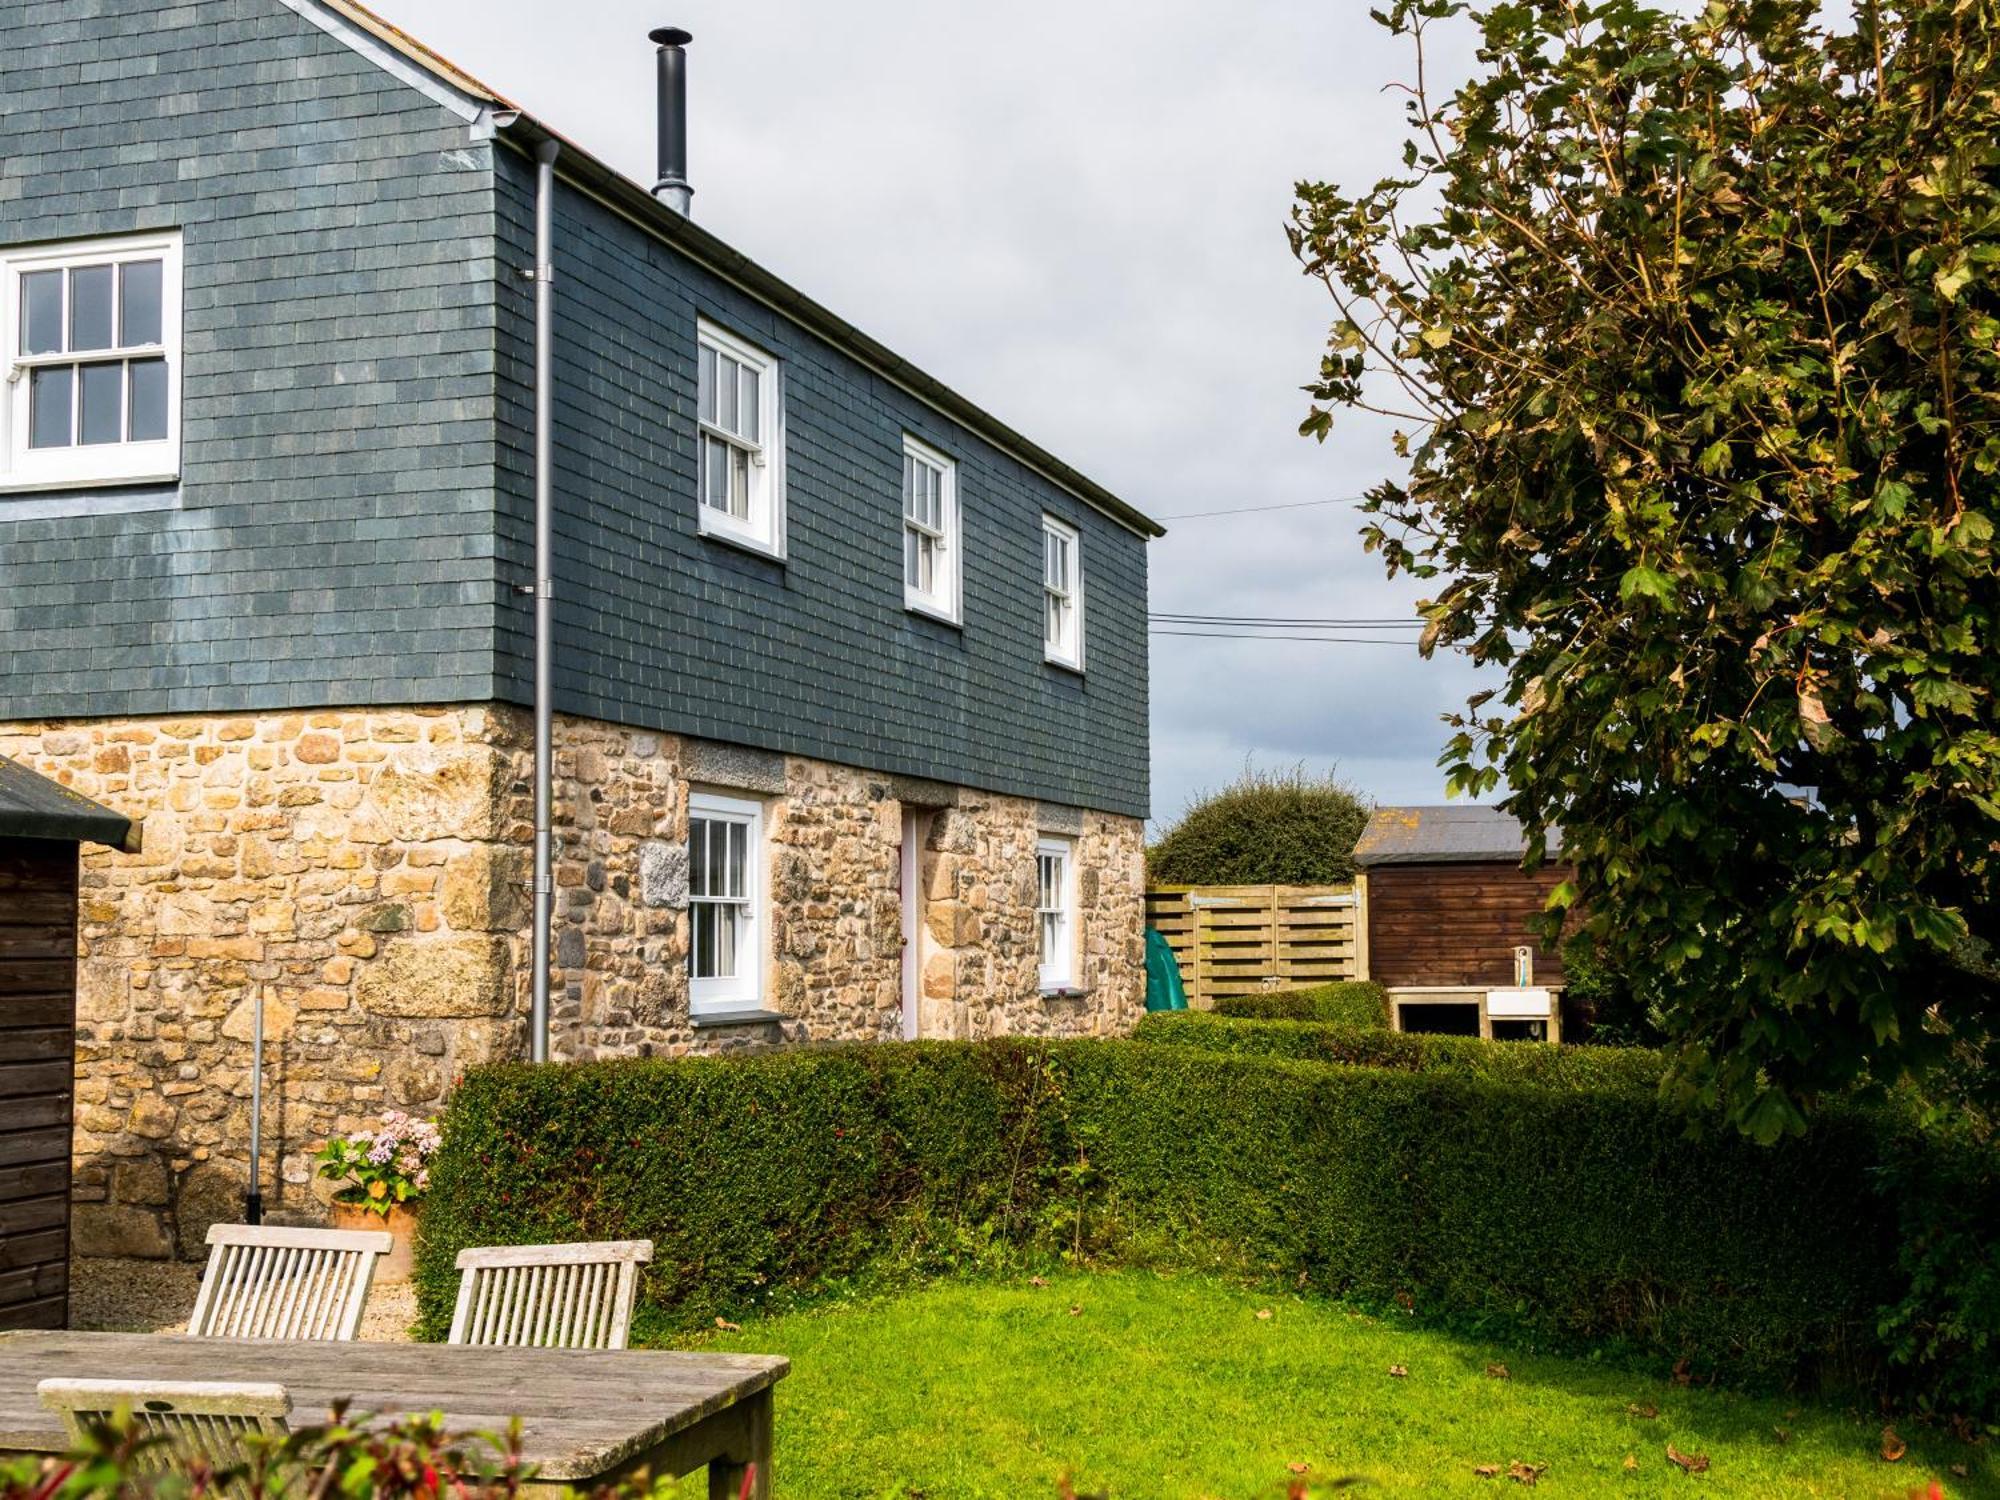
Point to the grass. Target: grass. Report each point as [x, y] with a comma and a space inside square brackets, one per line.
[1176, 1388]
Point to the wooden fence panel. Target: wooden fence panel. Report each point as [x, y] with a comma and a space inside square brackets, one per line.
[1239, 940]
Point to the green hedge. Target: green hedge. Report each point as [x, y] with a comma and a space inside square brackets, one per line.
[1353, 1002]
[1410, 1052]
[1559, 1216]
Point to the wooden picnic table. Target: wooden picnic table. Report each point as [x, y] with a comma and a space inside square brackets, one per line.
[586, 1414]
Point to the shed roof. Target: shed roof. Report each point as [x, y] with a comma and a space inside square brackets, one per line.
[34, 807]
[1460, 832]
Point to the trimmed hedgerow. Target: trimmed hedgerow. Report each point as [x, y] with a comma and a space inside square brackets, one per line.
[1554, 1215]
[1412, 1052]
[1353, 1002]
[750, 1175]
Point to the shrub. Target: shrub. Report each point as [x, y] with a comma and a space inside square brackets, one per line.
[751, 1176]
[1614, 1009]
[1571, 1215]
[1353, 1002]
[1266, 828]
[411, 1458]
[1947, 1318]
[407, 1458]
[1376, 1047]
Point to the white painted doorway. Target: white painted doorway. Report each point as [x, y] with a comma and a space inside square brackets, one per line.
[909, 871]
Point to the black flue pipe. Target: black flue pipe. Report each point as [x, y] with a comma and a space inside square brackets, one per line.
[672, 189]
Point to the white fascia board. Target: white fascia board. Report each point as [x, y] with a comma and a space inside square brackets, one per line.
[390, 61]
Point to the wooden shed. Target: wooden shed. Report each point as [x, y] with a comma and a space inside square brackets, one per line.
[41, 825]
[1447, 923]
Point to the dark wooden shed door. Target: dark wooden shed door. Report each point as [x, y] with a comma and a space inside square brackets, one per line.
[37, 1051]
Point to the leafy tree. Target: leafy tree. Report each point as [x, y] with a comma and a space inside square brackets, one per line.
[1615, 1011]
[1265, 828]
[1691, 322]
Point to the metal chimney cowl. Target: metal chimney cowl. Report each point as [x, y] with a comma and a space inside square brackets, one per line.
[672, 189]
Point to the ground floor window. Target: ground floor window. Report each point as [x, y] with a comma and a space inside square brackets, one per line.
[725, 901]
[1055, 911]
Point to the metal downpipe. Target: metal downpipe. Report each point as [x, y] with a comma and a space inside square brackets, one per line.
[544, 883]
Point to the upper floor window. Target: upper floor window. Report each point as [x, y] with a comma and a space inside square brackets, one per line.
[91, 334]
[725, 903]
[742, 442]
[1055, 911]
[930, 531]
[1062, 594]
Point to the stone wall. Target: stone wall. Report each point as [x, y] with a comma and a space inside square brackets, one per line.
[834, 944]
[347, 866]
[363, 871]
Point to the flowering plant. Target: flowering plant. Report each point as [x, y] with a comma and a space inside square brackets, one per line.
[385, 1167]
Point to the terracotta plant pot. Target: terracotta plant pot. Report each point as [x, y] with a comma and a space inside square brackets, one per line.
[394, 1268]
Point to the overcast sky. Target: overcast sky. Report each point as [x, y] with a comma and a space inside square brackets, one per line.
[1072, 213]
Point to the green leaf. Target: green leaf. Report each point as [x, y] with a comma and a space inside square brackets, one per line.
[1641, 581]
[1950, 283]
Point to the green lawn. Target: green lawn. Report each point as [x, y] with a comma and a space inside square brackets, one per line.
[1156, 1388]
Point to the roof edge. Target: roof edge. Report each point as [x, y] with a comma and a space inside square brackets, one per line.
[584, 169]
[393, 36]
[648, 213]
[34, 807]
[1457, 857]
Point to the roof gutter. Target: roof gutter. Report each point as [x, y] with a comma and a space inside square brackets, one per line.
[633, 203]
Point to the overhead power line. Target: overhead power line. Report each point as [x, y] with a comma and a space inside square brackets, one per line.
[1385, 630]
[1244, 510]
[1357, 622]
[1265, 635]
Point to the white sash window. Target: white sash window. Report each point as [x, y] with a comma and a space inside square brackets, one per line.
[1062, 594]
[741, 484]
[725, 903]
[930, 531]
[90, 334]
[1055, 911]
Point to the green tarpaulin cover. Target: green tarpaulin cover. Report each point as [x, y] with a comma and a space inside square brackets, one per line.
[1163, 975]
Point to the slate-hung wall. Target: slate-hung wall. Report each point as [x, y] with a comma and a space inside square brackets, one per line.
[815, 655]
[332, 538]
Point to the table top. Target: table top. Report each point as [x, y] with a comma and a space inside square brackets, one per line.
[582, 1411]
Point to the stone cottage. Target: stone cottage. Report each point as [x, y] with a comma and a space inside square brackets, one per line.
[850, 678]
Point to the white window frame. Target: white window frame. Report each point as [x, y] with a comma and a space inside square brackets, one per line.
[764, 530]
[1057, 971]
[745, 989]
[1063, 652]
[941, 602]
[156, 461]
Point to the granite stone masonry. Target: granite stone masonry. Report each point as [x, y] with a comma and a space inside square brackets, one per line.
[362, 871]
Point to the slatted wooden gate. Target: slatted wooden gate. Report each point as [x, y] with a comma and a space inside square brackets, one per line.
[1239, 940]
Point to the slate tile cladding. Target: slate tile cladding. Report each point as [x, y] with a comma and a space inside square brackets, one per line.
[357, 496]
[332, 540]
[817, 655]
